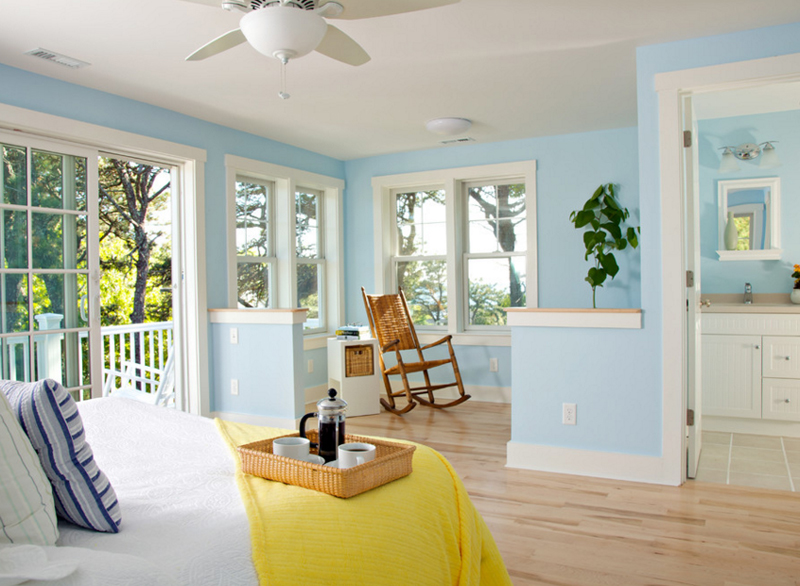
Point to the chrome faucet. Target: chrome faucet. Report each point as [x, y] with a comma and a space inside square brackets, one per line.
[748, 294]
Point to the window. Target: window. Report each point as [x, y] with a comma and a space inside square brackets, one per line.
[309, 256]
[255, 260]
[285, 241]
[461, 244]
[420, 260]
[496, 242]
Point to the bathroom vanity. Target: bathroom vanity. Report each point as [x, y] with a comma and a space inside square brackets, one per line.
[750, 364]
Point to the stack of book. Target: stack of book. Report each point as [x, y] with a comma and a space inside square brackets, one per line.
[352, 333]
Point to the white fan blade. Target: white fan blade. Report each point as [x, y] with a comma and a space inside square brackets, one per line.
[337, 45]
[357, 9]
[222, 43]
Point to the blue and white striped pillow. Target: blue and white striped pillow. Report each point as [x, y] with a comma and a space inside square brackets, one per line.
[49, 415]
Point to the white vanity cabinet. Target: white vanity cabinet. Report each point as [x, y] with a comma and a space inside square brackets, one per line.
[751, 365]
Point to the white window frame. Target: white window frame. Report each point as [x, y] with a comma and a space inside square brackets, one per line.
[318, 260]
[453, 181]
[270, 260]
[287, 181]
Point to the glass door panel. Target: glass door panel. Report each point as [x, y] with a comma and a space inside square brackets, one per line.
[46, 292]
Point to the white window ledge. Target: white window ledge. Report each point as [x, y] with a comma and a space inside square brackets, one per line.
[575, 318]
[258, 316]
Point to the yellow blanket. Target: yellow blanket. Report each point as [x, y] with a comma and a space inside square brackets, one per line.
[420, 529]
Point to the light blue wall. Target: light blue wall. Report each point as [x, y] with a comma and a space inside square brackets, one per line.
[770, 276]
[269, 365]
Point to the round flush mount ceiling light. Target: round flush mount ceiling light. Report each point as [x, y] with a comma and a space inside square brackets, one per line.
[448, 126]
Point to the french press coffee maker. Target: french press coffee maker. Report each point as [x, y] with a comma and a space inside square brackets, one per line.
[330, 412]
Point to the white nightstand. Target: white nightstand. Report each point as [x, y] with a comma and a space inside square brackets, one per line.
[353, 371]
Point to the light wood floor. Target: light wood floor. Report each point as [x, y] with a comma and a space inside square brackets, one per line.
[568, 530]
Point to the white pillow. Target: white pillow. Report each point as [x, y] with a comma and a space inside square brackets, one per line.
[20, 563]
[27, 511]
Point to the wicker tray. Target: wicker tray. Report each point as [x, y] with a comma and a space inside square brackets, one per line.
[392, 461]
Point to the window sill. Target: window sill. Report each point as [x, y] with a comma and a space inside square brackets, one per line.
[576, 318]
[468, 338]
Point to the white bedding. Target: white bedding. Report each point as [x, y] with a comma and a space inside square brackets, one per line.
[174, 477]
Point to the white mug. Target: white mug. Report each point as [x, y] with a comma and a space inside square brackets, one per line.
[354, 454]
[291, 447]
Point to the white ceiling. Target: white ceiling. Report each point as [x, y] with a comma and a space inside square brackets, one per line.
[517, 68]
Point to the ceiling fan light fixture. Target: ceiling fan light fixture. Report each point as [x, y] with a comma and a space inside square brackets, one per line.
[448, 126]
[283, 31]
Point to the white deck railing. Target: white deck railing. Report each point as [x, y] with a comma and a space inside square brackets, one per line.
[147, 345]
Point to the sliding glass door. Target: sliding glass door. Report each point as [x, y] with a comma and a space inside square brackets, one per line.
[49, 275]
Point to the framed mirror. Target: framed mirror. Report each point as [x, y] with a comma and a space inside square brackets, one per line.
[750, 219]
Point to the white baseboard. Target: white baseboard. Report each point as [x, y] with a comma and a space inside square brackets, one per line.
[478, 393]
[615, 466]
[753, 426]
[261, 420]
[314, 394]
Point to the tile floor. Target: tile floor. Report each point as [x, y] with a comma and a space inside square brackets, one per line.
[750, 460]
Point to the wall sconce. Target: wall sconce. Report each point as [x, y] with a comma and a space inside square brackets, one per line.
[747, 152]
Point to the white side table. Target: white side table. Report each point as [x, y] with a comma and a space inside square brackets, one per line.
[353, 371]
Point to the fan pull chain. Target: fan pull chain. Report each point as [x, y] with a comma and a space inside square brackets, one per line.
[283, 95]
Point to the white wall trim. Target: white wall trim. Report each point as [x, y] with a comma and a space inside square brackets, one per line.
[576, 318]
[191, 161]
[258, 316]
[612, 465]
[260, 420]
[672, 87]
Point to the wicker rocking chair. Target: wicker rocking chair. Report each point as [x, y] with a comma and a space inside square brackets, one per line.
[390, 322]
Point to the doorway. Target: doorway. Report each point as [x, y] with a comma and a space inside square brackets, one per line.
[722, 80]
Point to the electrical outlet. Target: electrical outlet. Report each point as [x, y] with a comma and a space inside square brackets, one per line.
[310, 365]
[493, 365]
[234, 335]
[234, 386]
[570, 414]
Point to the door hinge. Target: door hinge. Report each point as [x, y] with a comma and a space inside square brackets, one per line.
[689, 417]
[687, 138]
[690, 278]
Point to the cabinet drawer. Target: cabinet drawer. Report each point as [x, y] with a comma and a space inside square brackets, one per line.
[781, 399]
[781, 357]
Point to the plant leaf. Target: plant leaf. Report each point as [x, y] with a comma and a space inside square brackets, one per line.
[633, 239]
[596, 277]
[609, 264]
[613, 229]
[582, 218]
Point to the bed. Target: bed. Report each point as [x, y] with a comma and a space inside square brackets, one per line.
[184, 521]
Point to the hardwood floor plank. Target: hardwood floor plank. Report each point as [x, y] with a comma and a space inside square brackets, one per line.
[562, 530]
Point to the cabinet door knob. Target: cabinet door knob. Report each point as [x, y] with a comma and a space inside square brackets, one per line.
[786, 401]
[758, 347]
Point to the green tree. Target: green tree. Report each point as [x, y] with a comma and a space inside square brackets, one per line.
[130, 194]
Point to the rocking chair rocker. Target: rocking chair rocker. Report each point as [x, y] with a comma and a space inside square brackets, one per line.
[390, 322]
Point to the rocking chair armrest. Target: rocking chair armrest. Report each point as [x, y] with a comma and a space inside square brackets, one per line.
[447, 338]
[389, 345]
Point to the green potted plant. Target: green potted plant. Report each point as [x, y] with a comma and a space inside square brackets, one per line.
[603, 217]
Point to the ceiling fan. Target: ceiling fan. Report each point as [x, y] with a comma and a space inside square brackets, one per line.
[288, 29]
